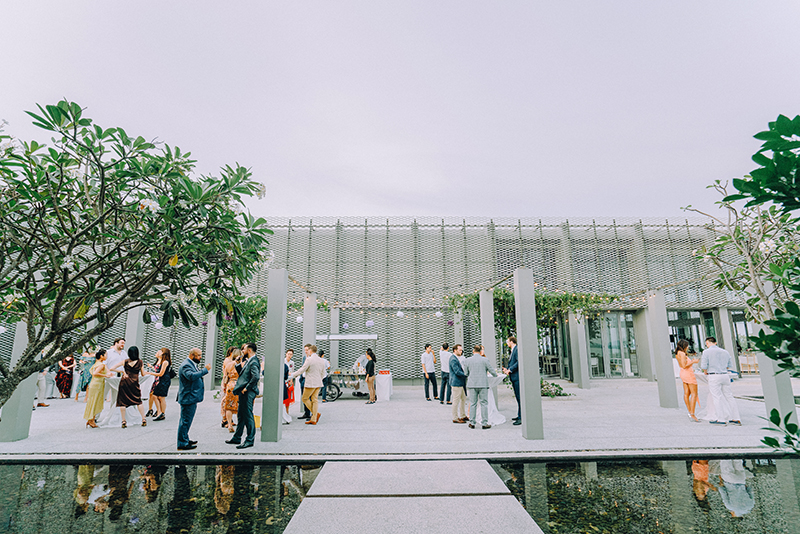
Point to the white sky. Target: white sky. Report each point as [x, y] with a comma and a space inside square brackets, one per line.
[558, 108]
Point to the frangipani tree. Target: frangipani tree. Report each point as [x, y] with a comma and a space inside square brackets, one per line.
[101, 222]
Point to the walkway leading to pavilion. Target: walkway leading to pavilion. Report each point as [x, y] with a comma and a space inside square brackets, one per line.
[615, 417]
[410, 496]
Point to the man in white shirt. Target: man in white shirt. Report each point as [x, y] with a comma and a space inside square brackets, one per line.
[314, 367]
[716, 361]
[444, 361]
[114, 356]
[428, 360]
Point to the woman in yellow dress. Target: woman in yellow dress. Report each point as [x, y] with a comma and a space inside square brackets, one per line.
[94, 394]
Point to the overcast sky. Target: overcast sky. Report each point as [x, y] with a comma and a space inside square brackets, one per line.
[514, 108]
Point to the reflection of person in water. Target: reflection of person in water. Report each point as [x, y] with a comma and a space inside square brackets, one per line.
[84, 489]
[152, 481]
[700, 483]
[737, 497]
[120, 485]
[181, 508]
[223, 494]
[242, 512]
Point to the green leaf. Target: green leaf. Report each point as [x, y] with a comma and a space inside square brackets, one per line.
[771, 442]
[784, 125]
[775, 417]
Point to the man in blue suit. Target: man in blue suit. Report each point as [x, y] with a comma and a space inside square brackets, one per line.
[458, 384]
[190, 392]
[247, 389]
[513, 375]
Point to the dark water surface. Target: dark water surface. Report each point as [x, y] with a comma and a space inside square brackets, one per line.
[176, 499]
[721, 496]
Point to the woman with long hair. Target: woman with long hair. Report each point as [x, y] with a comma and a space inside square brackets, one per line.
[130, 394]
[688, 378]
[86, 361]
[64, 376]
[97, 386]
[371, 376]
[230, 402]
[163, 381]
[224, 383]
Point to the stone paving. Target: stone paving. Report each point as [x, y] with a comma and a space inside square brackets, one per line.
[614, 417]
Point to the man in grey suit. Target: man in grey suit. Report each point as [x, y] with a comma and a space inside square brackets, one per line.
[247, 389]
[476, 367]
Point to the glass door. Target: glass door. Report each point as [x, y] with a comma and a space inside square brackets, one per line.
[612, 344]
[597, 366]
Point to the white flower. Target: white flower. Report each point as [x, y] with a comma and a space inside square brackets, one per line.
[148, 204]
[400, 314]
[159, 326]
[767, 246]
[68, 263]
[2, 329]
[237, 208]
[153, 318]
[345, 326]
[439, 314]
[694, 252]
[267, 258]
[261, 191]
[299, 319]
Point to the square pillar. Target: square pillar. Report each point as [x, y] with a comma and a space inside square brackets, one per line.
[658, 343]
[777, 388]
[488, 340]
[528, 355]
[641, 330]
[579, 349]
[134, 329]
[272, 354]
[334, 343]
[16, 412]
[212, 355]
[309, 319]
[458, 328]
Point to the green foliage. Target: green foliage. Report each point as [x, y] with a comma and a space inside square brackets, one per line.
[551, 389]
[102, 222]
[248, 330]
[549, 307]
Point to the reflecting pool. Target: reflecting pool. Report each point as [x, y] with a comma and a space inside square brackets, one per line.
[176, 499]
[755, 496]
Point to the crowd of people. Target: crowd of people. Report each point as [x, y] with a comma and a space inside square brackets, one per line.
[467, 377]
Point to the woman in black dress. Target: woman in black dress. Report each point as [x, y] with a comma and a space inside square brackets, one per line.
[163, 382]
[371, 376]
[64, 376]
[129, 392]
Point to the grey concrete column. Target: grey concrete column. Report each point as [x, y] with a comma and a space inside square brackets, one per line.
[16, 413]
[528, 355]
[658, 341]
[488, 339]
[777, 388]
[580, 350]
[789, 478]
[334, 358]
[726, 336]
[310, 319]
[458, 327]
[589, 470]
[272, 354]
[212, 356]
[134, 329]
[680, 495]
[535, 480]
[641, 330]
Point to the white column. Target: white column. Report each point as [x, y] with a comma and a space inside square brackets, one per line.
[487, 333]
[134, 329]
[528, 355]
[211, 355]
[334, 358]
[658, 341]
[272, 354]
[16, 413]
[777, 388]
[310, 319]
[579, 350]
[641, 330]
[458, 328]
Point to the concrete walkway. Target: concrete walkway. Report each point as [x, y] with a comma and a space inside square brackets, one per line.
[615, 417]
[401, 497]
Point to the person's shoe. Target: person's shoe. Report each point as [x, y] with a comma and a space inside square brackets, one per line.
[425, 399]
[232, 429]
[160, 417]
[310, 422]
[304, 416]
[459, 421]
[187, 447]
[232, 441]
[244, 445]
[441, 402]
[486, 427]
[471, 425]
[516, 419]
[464, 419]
[437, 398]
[192, 442]
[224, 423]
[149, 413]
[516, 422]
[317, 419]
[735, 422]
[449, 403]
[723, 423]
[42, 405]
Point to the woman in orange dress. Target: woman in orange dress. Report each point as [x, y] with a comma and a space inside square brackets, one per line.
[230, 402]
[688, 378]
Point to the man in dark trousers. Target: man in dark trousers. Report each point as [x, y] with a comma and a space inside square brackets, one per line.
[247, 389]
[306, 354]
[513, 375]
[190, 392]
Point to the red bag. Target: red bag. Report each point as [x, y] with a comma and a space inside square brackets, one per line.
[290, 394]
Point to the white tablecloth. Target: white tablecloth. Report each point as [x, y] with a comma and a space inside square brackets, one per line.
[110, 416]
[383, 387]
[495, 417]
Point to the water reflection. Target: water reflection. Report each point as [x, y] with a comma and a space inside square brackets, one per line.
[154, 498]
[720, 496]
